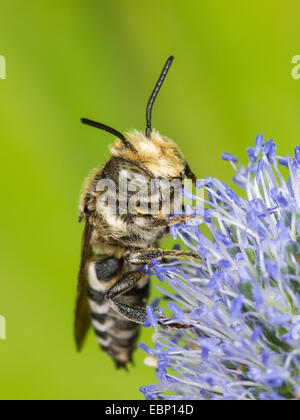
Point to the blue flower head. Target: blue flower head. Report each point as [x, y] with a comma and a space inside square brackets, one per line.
[239, 307]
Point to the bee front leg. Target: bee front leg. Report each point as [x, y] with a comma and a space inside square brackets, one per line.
[180, 219]
[145, 256]
[157, 222]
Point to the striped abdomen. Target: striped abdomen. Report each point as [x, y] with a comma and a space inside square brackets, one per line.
[116, 335]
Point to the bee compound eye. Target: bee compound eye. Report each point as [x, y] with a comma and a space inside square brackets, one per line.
[134, 180]
[127, 176]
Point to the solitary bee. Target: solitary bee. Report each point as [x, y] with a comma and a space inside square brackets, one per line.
[112, 290]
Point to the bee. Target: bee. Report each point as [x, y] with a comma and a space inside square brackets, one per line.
[112, 290]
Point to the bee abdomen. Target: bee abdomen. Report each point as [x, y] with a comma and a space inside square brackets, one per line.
[116, 335]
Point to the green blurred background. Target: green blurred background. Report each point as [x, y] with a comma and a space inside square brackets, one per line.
[100, 59]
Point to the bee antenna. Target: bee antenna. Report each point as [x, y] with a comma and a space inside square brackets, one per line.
[155, 93]
[108, 129]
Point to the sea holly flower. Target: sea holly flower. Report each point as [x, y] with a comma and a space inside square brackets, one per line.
[237, 310]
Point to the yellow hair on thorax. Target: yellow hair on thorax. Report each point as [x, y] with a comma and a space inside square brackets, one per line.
[158, 154]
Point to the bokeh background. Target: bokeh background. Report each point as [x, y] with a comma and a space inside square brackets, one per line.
[100, 59]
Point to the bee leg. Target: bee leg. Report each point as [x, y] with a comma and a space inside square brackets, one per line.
[151, 221]
[127, 282]
[180, 219]
[133, 313]
[136, 314]
[139, 315]
[145, 256]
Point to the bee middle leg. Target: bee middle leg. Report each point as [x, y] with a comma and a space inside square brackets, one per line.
[145, 256]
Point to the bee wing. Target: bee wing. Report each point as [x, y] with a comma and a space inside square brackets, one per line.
[82, 313]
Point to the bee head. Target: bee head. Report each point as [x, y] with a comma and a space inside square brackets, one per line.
[155, 153]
